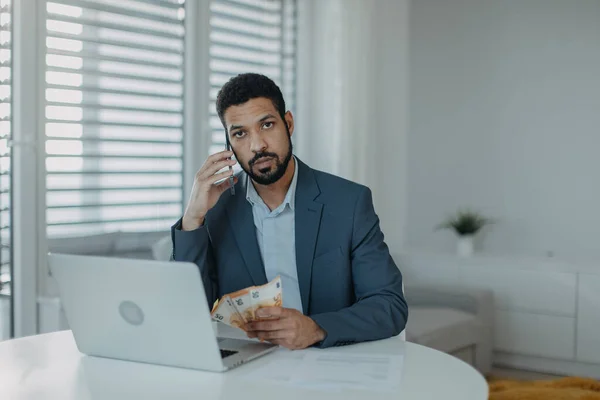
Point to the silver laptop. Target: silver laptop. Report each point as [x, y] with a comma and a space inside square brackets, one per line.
[144, 310]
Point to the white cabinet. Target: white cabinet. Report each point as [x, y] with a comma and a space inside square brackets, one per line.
[547, 311]
[528, 291]
[588, 321]
[535, 334]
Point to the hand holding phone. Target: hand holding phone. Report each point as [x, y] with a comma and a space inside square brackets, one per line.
[209, 185]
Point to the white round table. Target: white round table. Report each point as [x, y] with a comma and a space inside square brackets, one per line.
[50, 367]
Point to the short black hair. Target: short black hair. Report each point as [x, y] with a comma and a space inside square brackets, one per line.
[244, 87]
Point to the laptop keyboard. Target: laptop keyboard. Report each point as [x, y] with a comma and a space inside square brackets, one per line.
[227, 353]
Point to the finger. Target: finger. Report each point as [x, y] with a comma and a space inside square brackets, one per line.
[223, 186]
[251, 334]
[270, 312]
[217, 177]
[209, 170]
[221, 155]
[273, 325]
[273, 335]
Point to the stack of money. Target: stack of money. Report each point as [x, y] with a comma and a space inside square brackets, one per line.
[238, 308]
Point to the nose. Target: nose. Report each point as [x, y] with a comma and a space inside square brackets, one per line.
[257, 144]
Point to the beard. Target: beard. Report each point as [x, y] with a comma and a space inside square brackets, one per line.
[267, 176]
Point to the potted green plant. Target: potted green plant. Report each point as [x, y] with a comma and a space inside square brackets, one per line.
[466, 224]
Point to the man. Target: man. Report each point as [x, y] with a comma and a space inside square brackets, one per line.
[317, 231]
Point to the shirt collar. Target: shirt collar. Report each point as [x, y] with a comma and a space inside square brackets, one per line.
[253, 197]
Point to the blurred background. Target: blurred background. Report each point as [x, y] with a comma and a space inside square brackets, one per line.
[107, 109]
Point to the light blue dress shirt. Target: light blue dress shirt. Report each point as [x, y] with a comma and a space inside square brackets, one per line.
[276, 234]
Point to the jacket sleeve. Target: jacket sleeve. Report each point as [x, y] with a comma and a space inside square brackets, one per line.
[194, 246]
[380, 310]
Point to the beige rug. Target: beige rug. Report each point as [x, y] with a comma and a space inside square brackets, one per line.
[559, 389]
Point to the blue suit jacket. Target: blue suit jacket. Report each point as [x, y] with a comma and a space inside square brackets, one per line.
[349, 283]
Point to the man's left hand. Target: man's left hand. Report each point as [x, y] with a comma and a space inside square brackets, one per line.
[286, 327]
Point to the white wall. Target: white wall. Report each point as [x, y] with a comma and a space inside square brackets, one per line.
[390, 118]
[317, 65]
[505, 117]
[353, 96]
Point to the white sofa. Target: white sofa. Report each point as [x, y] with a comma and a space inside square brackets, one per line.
[143, 245]
[455, 320]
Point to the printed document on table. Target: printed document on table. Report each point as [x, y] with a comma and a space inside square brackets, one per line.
[332, 370]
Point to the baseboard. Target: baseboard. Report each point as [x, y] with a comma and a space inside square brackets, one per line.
[547, 365]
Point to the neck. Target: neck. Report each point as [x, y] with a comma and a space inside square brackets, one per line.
[274, 194]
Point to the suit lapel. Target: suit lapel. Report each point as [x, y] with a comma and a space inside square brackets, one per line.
[241, 221]
[307, 222]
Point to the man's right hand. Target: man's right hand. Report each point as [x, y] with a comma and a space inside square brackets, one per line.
[205, 193]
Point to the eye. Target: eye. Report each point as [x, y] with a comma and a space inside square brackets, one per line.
[239, 134]
[268, 125]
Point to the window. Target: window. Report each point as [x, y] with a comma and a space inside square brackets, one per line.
[251, 36]
[113, 115]
[5, 150]
[104, 82]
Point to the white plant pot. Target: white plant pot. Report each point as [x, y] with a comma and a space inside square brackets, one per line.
[465, 246]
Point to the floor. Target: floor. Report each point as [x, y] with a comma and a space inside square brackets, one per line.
[504, 373]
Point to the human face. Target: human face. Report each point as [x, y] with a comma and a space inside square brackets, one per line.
[260, 139]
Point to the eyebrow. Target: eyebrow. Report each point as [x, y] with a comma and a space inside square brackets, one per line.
[234, 127]
[266, 117]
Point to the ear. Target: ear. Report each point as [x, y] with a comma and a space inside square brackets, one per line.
[289, 121]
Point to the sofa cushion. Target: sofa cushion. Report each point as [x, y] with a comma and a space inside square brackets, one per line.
[100, 244]
[441, 328]
[162, 249]
[115, 244]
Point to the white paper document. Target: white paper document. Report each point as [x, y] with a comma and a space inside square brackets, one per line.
[332, 370]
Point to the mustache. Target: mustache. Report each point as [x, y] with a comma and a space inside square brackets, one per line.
[258, 156]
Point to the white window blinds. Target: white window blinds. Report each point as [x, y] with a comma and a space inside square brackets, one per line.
[251, 36]
[113, 115]
[5, 150]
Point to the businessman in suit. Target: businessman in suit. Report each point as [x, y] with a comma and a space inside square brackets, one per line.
[317, 231]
